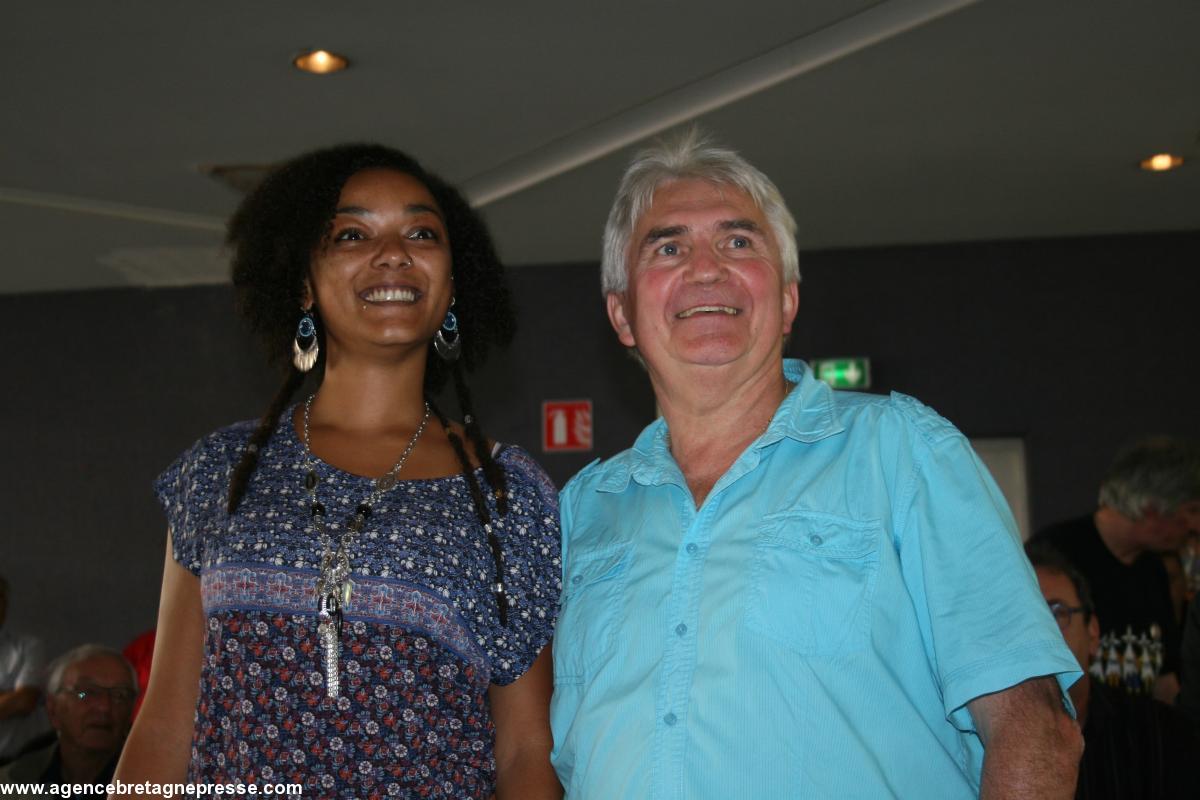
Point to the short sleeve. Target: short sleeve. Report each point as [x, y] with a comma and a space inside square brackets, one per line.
[31, 670]
[533, 579]
[985, 623]
[193, 492]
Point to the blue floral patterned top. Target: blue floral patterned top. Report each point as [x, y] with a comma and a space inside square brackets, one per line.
[421, 641]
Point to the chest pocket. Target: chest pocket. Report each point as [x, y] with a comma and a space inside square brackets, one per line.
[812, 580]
[591, 600]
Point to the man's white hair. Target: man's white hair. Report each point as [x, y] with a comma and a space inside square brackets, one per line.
[58, 667]
[689, 155]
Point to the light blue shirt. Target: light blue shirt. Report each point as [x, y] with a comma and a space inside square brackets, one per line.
[815, 629]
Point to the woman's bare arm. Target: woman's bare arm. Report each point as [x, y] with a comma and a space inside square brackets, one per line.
[160, 744]
[521, 713]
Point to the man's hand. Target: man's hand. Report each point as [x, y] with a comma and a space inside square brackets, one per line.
[19, 702]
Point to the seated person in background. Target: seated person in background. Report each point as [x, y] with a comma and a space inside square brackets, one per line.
[1148, 501]
[20, 685]
[1177, 584]
[1134, 746]
[1189, 664]
[139, 653]
[89, 698]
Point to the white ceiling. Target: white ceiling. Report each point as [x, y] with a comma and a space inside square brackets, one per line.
[882, 122]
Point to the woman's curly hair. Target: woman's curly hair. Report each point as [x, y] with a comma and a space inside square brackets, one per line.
[277, 228]
[275, 232]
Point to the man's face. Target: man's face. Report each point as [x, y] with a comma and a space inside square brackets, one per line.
[100, 721]
[705, 284]
[1162, 533]
[1082, 636]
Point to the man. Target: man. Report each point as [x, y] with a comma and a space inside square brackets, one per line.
[89, 699]
[20, 685]
[1136, 746]
[782, 591]
[1188, 700]
[1149, 499]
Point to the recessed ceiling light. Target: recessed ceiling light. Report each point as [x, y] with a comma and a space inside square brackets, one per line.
[1161, 162]
[320, 62]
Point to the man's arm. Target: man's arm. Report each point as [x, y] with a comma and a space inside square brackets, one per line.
[19, 702]
[1031, 746]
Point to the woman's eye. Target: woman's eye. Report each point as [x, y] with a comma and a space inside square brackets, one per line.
[423, 233]
[348, 235]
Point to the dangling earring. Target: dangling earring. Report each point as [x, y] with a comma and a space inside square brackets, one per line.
[447, 340]
[304, 346]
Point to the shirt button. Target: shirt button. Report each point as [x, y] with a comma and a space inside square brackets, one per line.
[691, 548]
[815, 539]
[670, 718]
[577, 580]
[681, 629]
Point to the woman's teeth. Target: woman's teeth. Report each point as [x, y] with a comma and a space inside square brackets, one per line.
[391, 295]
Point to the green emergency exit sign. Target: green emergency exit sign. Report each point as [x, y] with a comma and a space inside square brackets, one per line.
[844, 373]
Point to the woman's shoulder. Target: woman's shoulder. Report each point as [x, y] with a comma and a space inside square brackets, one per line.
[224, 446]
[230, 440]
[523, 468]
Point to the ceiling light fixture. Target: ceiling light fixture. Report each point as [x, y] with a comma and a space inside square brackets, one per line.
[1161, 162]
[320, 62]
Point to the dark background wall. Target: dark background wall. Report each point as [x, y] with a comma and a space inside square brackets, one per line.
[1074, 345]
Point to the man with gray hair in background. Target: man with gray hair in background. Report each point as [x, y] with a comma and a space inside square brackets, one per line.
[1149, 500]
[89, 698]
[781, 590]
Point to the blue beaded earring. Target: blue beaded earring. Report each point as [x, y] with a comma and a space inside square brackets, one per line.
[447, 340]
[304, 346]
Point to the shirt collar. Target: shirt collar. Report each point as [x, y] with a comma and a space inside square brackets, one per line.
[807, 414]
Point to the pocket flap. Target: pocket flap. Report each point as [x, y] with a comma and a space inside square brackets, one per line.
[820, 534]
[595, 566]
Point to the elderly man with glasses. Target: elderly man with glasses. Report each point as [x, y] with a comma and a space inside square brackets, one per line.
[89, 699]
[1135, 745]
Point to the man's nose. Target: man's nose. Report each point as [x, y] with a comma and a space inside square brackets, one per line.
[706, 266]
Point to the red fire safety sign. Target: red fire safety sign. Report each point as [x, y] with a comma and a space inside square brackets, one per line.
[566, 425]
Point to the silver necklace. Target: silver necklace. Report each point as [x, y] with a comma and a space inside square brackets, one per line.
[333, 583]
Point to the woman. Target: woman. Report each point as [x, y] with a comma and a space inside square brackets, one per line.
[353, 598]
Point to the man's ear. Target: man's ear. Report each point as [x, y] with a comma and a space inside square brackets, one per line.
[1093, 635]
[791, 304]
[620, 321]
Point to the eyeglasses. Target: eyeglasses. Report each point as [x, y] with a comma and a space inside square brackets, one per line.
[117, 695]
[1063, 613]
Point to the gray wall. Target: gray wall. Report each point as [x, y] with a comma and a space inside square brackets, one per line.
[1075, 345]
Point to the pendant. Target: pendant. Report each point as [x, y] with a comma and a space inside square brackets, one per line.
[328, 632]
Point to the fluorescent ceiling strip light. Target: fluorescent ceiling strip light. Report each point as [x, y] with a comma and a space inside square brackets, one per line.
[104, 208]
[807, 53]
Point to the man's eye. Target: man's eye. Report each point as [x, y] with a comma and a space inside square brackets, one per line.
[739, 242]
[669, 249]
